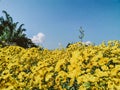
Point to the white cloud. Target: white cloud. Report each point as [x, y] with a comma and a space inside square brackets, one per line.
[87, 43]
[39, 38]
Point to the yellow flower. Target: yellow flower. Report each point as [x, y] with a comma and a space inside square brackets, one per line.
[100, 73]
[82, 88]
[104, 68]
[48, 76]
[80, 79]
[115, 70]
[74, 73]
[111, 85]
[32, 67]
[10, 87]
[116, 81]
[59, 64]
[117, 87]
[103, 61]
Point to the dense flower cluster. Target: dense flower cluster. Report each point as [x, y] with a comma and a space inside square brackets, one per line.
[77, 67]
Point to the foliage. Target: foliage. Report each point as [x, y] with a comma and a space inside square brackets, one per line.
[11, 35]
[77, 67]
[68, 44]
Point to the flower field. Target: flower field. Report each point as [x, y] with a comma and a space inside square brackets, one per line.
[78, 67]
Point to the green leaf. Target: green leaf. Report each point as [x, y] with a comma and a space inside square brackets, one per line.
[87, 84]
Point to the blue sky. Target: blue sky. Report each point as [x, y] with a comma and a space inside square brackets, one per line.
[59, 20]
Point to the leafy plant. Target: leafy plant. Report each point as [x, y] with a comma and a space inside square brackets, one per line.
[11, 35]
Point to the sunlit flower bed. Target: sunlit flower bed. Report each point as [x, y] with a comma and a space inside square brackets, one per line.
[78, 67]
